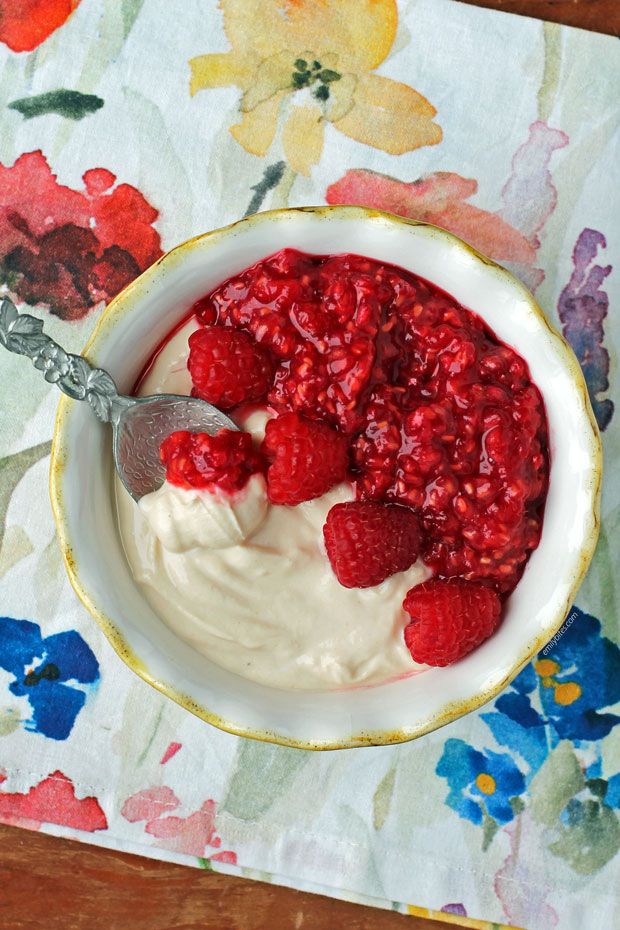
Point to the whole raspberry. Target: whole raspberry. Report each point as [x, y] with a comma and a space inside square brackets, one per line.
[449, 619]
[224, 461]
[228, 367]
[366, 542]
[306, 457]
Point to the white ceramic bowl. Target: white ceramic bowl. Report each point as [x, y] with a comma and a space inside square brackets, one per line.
[82, 470]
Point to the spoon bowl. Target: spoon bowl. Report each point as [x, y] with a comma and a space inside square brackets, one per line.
[142, 426]
[139, 425]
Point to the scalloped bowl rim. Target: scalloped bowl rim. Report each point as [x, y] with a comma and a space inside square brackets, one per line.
[377, 715]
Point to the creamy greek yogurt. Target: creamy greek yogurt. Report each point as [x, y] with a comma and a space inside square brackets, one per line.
[189, 518]
[265, 602]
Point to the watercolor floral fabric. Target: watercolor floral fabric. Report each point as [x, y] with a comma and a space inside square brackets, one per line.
[129, 127]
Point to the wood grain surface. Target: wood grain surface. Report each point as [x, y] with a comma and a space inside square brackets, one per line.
[599, 15]
[57, 884]
[53, 884]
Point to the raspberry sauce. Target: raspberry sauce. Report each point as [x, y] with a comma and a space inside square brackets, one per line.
[437, 413]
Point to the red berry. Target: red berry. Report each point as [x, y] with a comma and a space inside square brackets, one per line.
[196, 460]
[205, 310]
[228, 367]
[307, 458]
[366, 542]
[449, 619]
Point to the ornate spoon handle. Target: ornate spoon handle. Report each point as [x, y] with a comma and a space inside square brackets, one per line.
[23, 334]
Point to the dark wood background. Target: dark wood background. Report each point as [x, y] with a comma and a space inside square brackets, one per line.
[600, 15]
[52, 884]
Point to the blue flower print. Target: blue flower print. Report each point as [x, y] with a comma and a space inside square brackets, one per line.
[479, 781]
[567, 693]
[579, 679]
[48, 671]
[612, 796]
[516, 724]
[563, 694]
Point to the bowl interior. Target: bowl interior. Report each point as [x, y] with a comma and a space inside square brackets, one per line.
[83, 498]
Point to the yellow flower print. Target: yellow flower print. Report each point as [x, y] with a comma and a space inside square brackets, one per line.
[308, 62]
[486, 783]
[564, 692]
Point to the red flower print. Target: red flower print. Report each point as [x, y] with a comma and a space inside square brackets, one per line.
[26, 23]
[171, 751]
[149, 804]
[440, 199]
[509, 235]
[53, 800]
[69, 248]
[190, 835]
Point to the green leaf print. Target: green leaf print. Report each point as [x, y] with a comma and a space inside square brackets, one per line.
[382, 798]
[129, 13]
[263, 772]
[559, 779]
[599, 588]
[10, 720]
[270, 179]
[590, 838]
[490, 827]
[581, 828]
[12, 470]
[69, 103]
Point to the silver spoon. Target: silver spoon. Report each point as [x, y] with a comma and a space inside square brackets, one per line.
[139, 424]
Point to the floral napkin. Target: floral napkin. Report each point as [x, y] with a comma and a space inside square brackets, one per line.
[131, 125]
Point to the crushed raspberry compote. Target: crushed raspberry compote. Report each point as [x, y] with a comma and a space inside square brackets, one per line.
[223, 462]
[436, 413]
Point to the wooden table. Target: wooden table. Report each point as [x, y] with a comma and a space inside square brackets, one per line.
[61, 885]
[600, 15]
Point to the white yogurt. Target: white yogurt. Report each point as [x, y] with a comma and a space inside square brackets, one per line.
[186, 518]
[269, 608]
